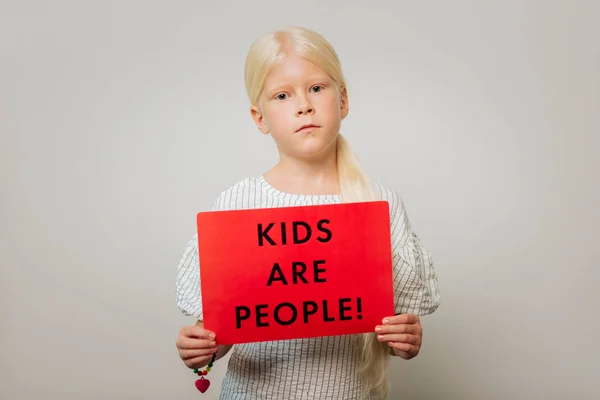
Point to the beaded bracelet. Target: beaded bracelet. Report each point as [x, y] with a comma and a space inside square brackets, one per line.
[202, 384]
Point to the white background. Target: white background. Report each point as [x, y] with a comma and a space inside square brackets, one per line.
[120, 120]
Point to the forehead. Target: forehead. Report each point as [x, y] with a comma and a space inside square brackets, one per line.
[293, 69]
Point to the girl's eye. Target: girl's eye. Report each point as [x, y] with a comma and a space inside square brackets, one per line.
[317, 88]
[281, 96]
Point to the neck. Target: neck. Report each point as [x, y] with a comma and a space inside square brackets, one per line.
[315, 176]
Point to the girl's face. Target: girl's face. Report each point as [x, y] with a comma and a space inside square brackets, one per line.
[302, 108]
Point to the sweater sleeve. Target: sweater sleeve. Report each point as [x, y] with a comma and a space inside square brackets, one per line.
[415, 281]
[187, 285]
[189, 296]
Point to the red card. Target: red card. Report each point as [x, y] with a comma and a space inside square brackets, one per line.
[295, 272]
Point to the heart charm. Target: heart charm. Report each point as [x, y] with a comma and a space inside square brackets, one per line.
[202, 384]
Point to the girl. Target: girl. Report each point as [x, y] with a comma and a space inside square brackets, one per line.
[298, 95]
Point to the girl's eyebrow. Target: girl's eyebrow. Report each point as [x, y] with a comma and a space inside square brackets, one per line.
[281, 85]
[276, 87]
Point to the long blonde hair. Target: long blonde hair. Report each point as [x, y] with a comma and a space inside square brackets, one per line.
[264, 53]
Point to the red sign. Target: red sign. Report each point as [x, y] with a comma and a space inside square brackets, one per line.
[295, 272]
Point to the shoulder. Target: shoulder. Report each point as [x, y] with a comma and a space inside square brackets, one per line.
[240, 195]
[399, 221]
[387, 193]
[398, 215]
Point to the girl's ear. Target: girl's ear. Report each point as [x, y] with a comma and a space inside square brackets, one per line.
[344, 103]
[259, 119]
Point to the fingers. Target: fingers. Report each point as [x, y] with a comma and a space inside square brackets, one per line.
[401, 319]
[197, 332]
[191, 354]
[400, 338]
[195, 337]
[407, 347]
[409, 329]
[196, 352]
[196, 346]
[403, 323]
[197, 362]
[192, 343]
[404, 350]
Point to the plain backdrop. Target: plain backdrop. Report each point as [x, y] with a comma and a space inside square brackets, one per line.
[120, 120]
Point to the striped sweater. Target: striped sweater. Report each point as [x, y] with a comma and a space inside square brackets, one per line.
[312, 368]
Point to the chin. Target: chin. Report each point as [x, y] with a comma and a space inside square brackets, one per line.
[313, 152]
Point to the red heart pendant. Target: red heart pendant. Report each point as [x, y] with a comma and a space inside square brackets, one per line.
[202, 384]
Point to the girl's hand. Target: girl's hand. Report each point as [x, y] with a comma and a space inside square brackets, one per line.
[403, 333]
[196, 346]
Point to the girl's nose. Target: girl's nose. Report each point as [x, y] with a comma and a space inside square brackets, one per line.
[304, 108]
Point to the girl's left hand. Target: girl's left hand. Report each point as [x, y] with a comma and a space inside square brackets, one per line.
[403, 333]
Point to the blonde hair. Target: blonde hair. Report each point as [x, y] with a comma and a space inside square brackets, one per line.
[264, 53]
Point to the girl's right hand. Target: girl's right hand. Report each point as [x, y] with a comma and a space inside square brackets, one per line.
[196, 345]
